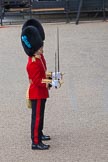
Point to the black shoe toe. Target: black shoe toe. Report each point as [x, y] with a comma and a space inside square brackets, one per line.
[40, 146]
[45, 138]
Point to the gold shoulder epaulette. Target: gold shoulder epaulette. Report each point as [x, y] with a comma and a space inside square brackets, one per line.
[33, 59]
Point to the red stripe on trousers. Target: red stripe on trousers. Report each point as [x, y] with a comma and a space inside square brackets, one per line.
[37, 121]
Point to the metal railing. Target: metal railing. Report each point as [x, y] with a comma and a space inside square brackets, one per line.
[70, 6]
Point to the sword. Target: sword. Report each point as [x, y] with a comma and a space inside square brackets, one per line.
[58, 55]
[57, 75]
[58, 49]
[55, 67]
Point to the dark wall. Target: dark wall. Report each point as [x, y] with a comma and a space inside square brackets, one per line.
[48, 4]
[87, 4]
[71, 5]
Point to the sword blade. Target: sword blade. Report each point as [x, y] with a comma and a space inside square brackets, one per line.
[55, 66]
[58, 49]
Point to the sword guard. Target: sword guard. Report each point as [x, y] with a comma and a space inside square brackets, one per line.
[55, 83]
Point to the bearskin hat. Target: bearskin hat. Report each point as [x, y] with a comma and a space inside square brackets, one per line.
[31, 40]
[37, 24]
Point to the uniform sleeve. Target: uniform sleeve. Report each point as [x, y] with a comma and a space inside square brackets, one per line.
[35, 75]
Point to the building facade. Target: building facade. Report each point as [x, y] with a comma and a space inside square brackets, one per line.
[71, 5]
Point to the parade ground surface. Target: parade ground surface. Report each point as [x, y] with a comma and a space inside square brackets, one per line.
[76, 115]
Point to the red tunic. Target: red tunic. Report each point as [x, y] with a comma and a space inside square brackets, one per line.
[36, 69]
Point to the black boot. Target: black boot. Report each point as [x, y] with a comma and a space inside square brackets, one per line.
[40, 146]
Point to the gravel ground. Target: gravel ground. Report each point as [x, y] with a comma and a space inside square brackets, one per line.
[76, 115]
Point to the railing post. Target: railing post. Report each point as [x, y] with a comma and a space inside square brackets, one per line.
[1, 9]
[67, 10]
[79, 10]
[103, 8]
[30, 2]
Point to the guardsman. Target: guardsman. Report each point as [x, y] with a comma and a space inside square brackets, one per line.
[32, 42]
[32, 38]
